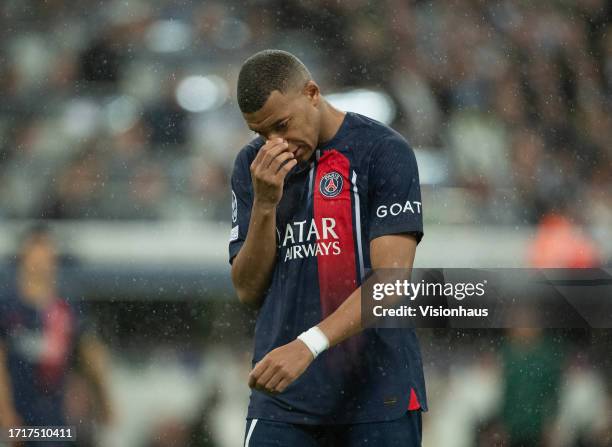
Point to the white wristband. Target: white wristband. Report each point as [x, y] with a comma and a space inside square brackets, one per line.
[315, 339]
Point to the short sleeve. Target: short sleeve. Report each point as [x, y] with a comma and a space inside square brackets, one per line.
[242, 201]
[394, 191]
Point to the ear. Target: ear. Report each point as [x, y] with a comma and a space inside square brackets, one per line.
[311, 90]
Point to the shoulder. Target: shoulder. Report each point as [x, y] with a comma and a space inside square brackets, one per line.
[371, 126]
[386, 147]
[381, 138]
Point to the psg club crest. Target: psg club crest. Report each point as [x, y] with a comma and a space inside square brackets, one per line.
[331, 184]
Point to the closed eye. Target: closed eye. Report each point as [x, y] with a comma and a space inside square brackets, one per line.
[282, 125]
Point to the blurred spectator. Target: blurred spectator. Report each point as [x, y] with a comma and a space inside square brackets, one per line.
[136, 182]
[561, 244]
[41, 335]
[208, 181]
[532, 363]
[168, 122]
[170, 433]
[492, 434]
[585, 407]
[100, 62]
[77, 192]
[195, 433]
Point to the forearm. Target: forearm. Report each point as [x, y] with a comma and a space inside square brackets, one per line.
[95, 362]
[6, 396]
[345, 321]
[254, 263]
[392, 259]
[348, 320]
[283, 365]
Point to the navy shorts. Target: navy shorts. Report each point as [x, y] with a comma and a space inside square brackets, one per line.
[402, 432]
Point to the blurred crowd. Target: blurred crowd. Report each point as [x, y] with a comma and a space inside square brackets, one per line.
[125, 109]
[522, 387]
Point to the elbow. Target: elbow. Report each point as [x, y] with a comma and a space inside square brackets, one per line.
[245, 286]
[248, 297]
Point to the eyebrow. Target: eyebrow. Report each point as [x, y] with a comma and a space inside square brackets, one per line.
[274, 124]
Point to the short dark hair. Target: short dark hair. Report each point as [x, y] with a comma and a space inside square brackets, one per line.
[265, 72]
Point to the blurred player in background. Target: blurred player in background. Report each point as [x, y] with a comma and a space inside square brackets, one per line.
[41, 336]
[318, 197]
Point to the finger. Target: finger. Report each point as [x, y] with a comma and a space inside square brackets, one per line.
[284, 169]
[267, 145]
[282, 385]
[266, 154]
[272, 152]
[274, 381]
[262, 151]
[280, 160]
[255, 373]
[265, 376]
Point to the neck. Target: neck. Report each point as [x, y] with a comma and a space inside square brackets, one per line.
[331, 120]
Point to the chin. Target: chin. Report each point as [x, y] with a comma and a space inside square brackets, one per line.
[304, 154]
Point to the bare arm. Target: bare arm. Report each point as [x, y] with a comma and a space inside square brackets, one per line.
[253, 265]
[283, 365]
[393, 251]
[8, 416]
[94, 358]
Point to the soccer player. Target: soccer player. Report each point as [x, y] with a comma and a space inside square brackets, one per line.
[40, 336]
[318, 197]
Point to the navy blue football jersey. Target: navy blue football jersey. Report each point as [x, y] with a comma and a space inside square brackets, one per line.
[40, 347]
[360, 185]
